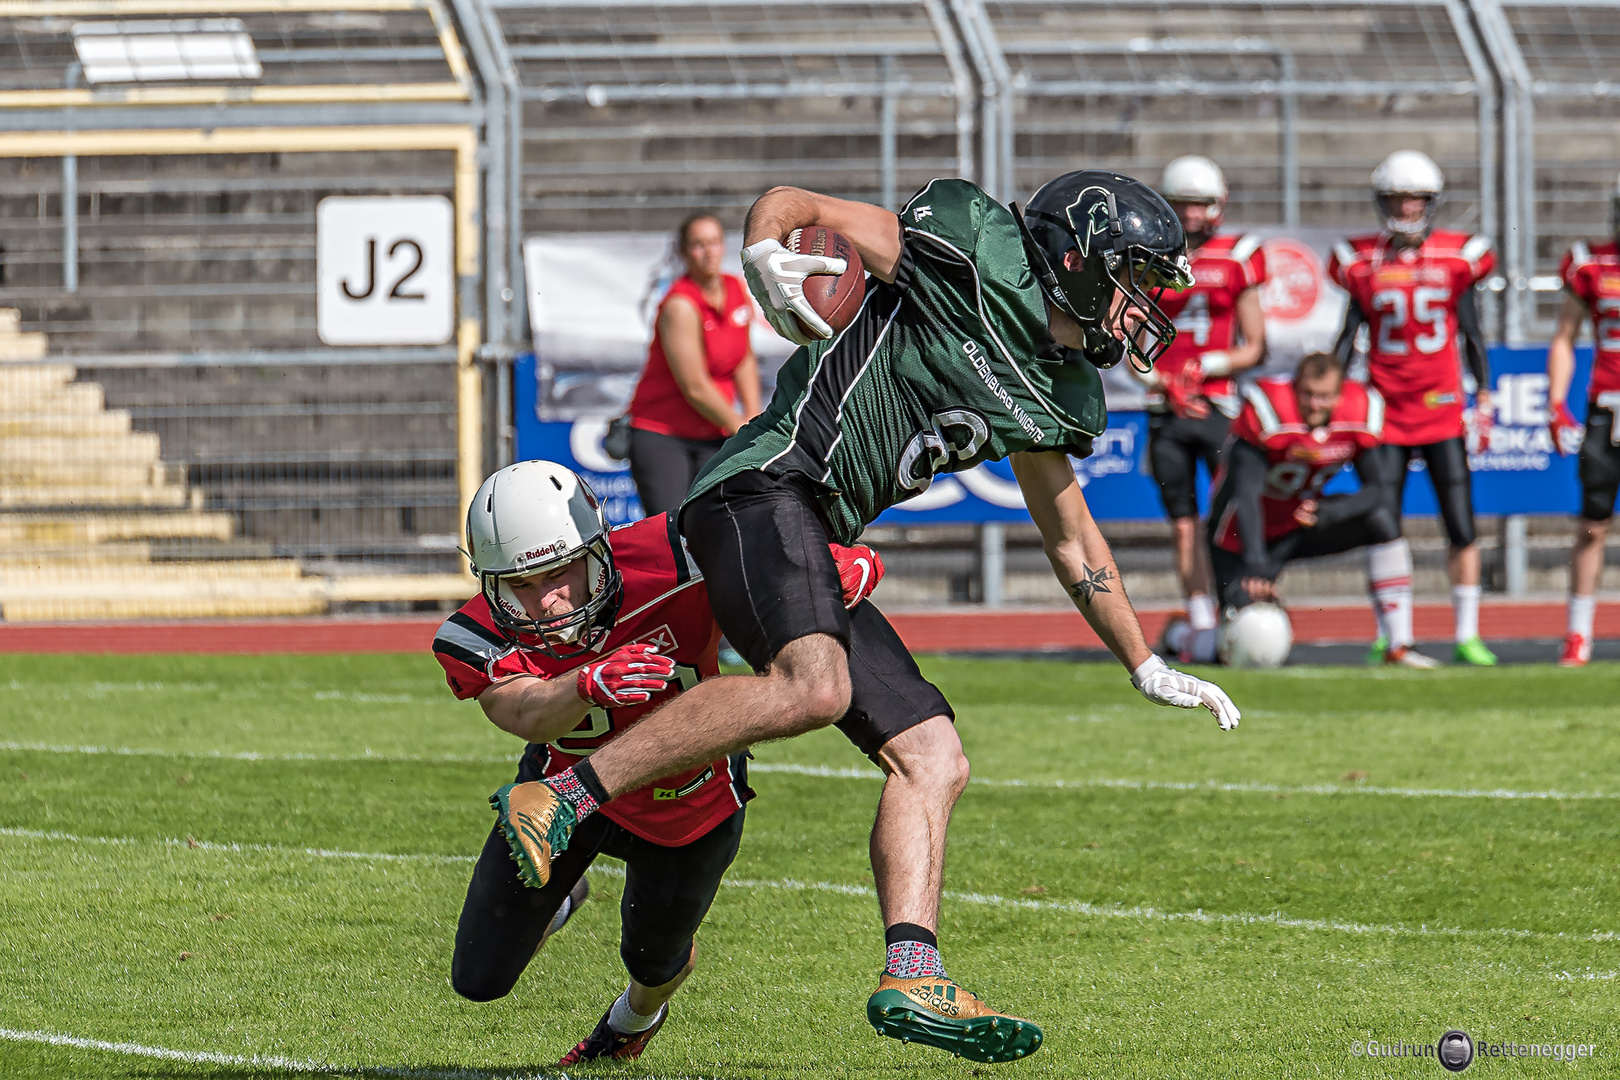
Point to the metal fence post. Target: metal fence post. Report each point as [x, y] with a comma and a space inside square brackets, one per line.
[992, 562]
[1516, 554]
[888, 163]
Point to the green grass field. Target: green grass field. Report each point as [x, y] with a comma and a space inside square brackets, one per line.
[276, 868]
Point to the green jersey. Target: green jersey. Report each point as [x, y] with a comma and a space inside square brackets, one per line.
[948, 367]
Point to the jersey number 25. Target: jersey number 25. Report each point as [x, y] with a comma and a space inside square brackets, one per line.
[1428, 309]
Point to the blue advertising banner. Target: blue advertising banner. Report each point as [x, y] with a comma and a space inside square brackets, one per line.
[1519, 474]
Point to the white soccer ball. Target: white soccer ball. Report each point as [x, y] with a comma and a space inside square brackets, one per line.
[1257, 636]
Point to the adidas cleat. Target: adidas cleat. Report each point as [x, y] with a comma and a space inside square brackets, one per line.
[607, 1043]
[1474, 652]
[537, 824]
[1376, 652]
[937, 1012]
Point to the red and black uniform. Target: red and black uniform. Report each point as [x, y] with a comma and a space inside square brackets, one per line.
[671, 441]
[677, 836]
[1592, 276]
[1274, 464]
[1223, 268]
[1418, 306]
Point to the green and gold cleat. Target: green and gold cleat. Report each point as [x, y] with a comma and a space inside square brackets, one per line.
[937, 1012]
[537, 824]
[1474, 652]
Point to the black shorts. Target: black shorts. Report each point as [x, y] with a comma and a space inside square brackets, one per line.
[667, 892]
[762, 546]
[1176, 444]
[1600, 466]
[1375, 527]
[1447, 461]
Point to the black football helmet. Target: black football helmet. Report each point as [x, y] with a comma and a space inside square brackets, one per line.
[1094, 232]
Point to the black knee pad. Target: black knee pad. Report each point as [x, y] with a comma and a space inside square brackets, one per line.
[477, 984]
[1382, 525]
[650, 971]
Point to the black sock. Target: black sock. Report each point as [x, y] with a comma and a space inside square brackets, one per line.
[587, 776]
[908, 931]
[913, 952]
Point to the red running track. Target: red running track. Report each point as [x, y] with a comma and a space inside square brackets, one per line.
[956, 630]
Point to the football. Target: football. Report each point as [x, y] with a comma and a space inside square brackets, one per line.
[835, 298]
[1258, 636]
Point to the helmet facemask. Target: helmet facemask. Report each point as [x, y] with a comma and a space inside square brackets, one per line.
[1087, 280]
[569, 635]
[1389, 209]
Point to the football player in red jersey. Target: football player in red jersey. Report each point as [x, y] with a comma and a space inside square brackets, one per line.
[587, 632]
[1591, 276]
[1292, 437]
[1412, 287]
[1220, 331]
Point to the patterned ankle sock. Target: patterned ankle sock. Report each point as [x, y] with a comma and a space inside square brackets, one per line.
[580, 787]
[913, 953]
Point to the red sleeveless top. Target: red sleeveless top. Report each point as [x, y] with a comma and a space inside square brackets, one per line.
[658, 405]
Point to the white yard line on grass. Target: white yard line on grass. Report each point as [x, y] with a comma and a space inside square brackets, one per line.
[855, 773]
[256, 1061]
[1073, 907]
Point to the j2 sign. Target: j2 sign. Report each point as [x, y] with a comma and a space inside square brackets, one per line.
[1520, 474]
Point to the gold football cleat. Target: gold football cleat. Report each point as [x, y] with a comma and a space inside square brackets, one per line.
[537, 824]
[935, 1011]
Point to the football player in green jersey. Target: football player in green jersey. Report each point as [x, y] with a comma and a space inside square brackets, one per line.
[978, 339]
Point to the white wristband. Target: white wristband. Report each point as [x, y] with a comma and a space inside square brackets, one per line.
[1146, 668]
[1215, 364]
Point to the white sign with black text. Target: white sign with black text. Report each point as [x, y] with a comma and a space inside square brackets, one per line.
[385, 269]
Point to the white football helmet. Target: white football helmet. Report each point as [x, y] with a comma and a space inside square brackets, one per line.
[1256, 636]
[1196, 179]
[532, 517]
[1407, 172]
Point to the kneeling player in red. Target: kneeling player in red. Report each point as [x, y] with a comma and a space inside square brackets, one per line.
[577, 634]
[1292, 437]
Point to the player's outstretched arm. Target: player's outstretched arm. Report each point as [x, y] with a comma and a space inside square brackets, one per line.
[1561, 371]
[1081, 558]
[874, 231]
[541, 710]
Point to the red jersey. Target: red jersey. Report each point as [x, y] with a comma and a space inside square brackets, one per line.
[1409, 297]
[666, 604]
[1223, 268]
[658, 404]
[1302, 459]
[1592, 275]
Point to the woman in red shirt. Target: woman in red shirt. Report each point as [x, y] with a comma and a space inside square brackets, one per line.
[701, 382]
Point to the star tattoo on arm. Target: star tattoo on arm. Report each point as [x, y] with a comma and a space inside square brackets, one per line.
[1091, 583]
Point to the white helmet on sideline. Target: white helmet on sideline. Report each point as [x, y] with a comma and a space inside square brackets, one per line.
[532, 517]
[1196, 179]
[1256, 636]
[1407, 172]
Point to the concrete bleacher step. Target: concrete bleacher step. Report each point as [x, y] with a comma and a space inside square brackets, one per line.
[137, 447]
[88, 529]
[91, 496]
[17, 424]
[52, 476]
[248, 574]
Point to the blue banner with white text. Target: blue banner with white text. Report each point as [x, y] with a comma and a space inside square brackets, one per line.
[1521, 473]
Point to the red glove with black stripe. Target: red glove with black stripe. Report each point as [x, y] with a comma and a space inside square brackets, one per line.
[859, 570]
[627, 676]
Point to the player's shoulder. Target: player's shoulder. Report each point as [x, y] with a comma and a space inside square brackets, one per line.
[1360, 411]
[470, 639]
[651, 555]
[1238, 247]
[1271, 403]
[948, 215]
[1452, 243]
[1353, 253]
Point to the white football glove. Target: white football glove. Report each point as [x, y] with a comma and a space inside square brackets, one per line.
[776, 278]
[1164, 685]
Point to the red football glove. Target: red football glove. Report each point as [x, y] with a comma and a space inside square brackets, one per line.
[859, 570]
[627, 676]
[1480, 422]
[1182, 392]
[1564, 429]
